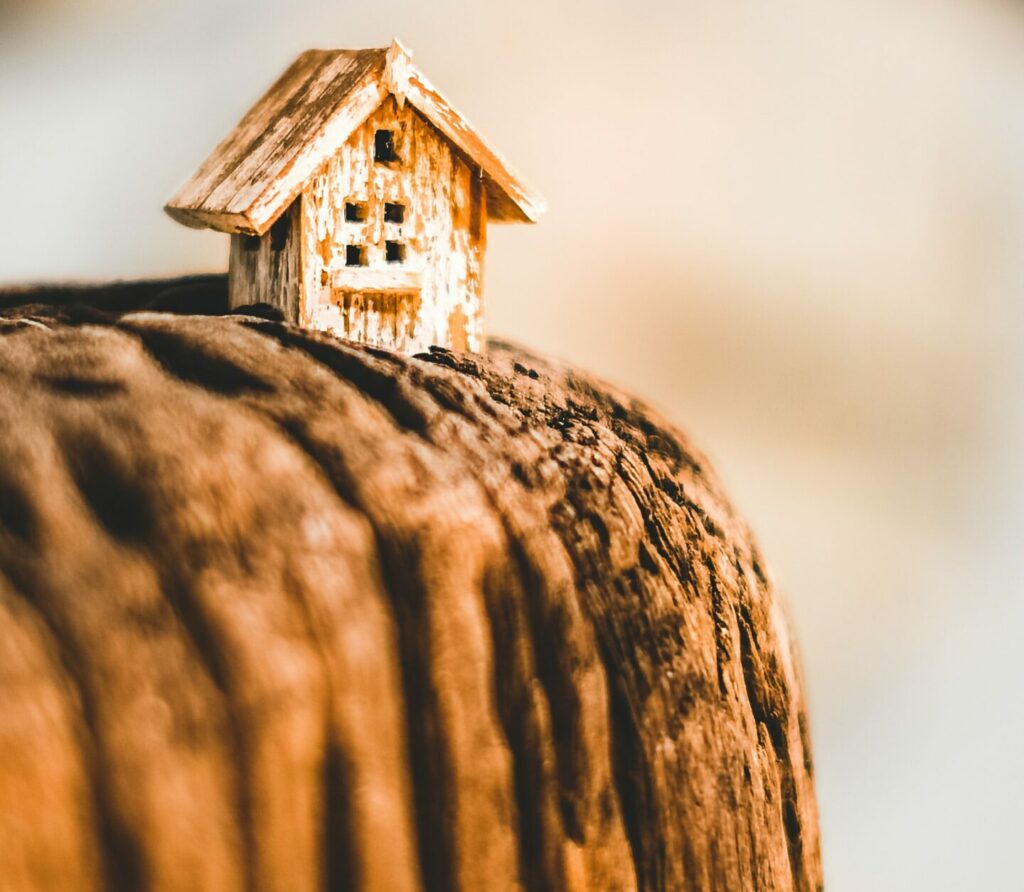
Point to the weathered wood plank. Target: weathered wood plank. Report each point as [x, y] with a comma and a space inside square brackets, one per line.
[258, 169]
[268, 269]
[305, 118]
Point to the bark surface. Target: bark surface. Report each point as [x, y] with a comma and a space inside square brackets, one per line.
[281, 612]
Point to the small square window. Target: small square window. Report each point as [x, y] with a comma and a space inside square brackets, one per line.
[384, 146]
[250, 243]
[394, 252]
[355, 255]
[394, 212]
[355, 211]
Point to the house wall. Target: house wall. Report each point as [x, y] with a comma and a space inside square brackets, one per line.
[268, 269]
[444, 232]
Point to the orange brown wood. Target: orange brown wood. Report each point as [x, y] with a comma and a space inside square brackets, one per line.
[282, 612]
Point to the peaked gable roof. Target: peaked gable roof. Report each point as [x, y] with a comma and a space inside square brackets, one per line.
[304, 118]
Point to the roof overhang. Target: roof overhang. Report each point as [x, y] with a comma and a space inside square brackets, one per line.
[305, 117]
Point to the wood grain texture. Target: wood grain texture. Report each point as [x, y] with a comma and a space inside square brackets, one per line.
[443, 233]
[510, 200]
[304, 119]
[295, 614]
[259, 167]
[267, 269]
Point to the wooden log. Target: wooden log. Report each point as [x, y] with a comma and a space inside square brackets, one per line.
[281, 612]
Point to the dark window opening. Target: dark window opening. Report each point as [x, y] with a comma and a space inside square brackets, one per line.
[394, 212]
[250, 243]
[355, 211]
[355, 255]
[384, 146]
[279, 232]
[394, 252]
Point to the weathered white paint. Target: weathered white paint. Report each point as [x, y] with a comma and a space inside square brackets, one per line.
[394, 278]
[361, 102]
[302, 121]
[256, 171]
[305, 150]
[509, 199]
[444, 232]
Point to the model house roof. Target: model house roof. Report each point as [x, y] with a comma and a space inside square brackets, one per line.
[305, 117]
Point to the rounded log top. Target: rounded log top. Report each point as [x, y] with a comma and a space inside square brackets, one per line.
[279, 611]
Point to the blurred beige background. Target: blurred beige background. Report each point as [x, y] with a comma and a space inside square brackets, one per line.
[798, 227]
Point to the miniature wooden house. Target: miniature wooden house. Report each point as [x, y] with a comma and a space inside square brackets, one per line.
[357, 199]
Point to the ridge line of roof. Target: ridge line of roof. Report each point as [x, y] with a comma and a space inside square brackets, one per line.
[252, 204]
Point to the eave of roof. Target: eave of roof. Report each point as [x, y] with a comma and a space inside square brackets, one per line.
[305, 117]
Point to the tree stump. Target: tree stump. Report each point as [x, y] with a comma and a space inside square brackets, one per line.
[280, 612]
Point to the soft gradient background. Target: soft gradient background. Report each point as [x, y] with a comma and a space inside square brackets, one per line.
[796, 226]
